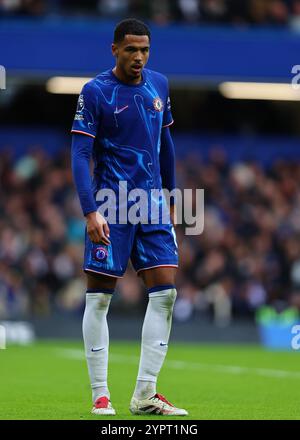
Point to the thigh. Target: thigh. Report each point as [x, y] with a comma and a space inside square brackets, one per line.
[159, 276]
[154, 246]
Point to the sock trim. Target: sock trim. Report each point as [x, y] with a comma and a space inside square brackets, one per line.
[110, 291]
[160, 288]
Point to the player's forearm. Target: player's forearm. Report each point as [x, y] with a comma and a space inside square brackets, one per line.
[167, 161]
[82, 147]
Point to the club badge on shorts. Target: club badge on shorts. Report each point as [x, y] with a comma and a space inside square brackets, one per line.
[158, 104]
[100, 253]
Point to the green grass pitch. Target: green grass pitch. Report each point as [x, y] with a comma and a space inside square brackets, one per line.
[48, 380]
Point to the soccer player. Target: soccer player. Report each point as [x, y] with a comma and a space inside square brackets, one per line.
[122, 121]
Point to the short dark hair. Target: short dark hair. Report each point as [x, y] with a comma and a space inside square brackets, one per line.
[130, 26]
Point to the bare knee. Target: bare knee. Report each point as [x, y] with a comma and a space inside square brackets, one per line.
[98, 281]
[160, 276]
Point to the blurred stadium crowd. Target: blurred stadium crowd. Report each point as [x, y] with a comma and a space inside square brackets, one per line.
[163, 12]
[248, 255]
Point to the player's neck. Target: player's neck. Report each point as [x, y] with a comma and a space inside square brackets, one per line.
[124, 78]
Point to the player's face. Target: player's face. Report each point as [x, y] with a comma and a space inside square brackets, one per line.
[131, 55]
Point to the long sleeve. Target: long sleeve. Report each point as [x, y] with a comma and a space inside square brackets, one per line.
[167, 160]
[82, 147]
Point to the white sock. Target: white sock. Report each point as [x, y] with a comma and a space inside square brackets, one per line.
[155, 338]
[96, 340]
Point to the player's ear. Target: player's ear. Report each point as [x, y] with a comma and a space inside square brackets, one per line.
[114, 49]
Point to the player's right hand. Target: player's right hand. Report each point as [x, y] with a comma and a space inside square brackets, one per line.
[97, 228]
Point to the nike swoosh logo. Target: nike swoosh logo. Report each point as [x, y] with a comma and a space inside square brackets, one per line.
[119, 110]
[162, 344]
[97, 349]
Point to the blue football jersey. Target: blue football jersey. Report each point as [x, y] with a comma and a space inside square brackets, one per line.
[125, 121]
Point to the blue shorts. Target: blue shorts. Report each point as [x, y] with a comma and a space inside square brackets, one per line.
[147, 245]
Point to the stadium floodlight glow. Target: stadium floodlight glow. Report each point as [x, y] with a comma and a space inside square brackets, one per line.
[264, 91]
[70, 85]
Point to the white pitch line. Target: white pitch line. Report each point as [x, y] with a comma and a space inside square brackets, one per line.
[181, 365]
